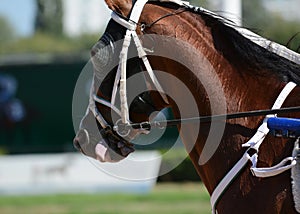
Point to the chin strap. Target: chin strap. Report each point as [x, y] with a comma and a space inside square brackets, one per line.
[253, 145]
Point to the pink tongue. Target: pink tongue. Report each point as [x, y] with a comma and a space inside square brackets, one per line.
[100, 151]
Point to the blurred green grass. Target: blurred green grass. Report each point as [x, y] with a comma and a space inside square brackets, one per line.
[170, 198]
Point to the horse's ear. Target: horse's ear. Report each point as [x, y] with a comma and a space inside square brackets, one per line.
[120, 6]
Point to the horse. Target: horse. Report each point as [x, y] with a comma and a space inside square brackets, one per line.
[218, 69]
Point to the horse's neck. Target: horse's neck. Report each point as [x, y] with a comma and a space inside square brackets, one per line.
[242, 91]
[239, 90]
[238, 131]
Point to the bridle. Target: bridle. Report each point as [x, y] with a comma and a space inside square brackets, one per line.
[124, 126]
[121, 75]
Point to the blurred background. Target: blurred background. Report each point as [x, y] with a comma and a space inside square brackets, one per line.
[45, 44]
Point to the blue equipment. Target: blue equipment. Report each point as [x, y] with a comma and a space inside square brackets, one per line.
[284, 127]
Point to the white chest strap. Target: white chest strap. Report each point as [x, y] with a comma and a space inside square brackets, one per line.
[254, 143]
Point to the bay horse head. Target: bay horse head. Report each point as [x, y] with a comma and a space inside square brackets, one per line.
[98, 138]
[196, 63]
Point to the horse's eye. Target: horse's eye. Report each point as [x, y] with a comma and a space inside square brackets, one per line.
[102, 52]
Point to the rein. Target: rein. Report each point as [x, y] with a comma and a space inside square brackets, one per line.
[204, 119]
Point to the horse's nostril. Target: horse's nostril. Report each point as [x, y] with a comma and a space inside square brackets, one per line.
[81, 140]
[76, 144]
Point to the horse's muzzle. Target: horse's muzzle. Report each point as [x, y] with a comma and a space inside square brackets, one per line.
[103, 149]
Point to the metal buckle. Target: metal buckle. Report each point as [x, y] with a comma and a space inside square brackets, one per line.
[145, 126]
[122, 129]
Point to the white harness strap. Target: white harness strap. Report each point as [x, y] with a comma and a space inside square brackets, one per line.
[270, 46]
[263, 42]
[92, 107]
[142, 54]
[127, 24]
[108, 104]
[123, 77]
[254, 143]
[121, 73]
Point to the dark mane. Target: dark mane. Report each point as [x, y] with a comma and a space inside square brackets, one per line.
[242, 52]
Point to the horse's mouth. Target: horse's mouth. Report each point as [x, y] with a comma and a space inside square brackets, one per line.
[108, 149]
